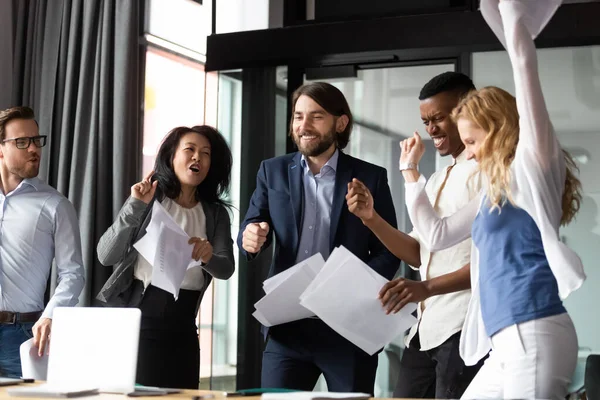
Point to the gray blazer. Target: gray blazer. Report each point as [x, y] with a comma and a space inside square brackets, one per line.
[116, 248]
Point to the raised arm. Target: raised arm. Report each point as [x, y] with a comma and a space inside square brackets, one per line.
[438, 233]
[516, 23]
[435, 233]
[114, 243]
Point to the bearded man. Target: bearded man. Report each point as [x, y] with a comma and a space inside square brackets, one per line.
[301, 199]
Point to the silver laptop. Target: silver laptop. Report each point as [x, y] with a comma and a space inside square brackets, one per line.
[91, 349]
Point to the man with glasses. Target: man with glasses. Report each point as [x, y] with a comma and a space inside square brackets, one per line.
[37, 225]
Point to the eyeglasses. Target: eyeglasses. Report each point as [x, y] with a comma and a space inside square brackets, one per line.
[24, 142]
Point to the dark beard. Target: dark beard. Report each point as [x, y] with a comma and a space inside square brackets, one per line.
[319, 148]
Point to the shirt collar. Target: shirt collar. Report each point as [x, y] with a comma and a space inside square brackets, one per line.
[331, 163]
[462, 157]
[33, 182]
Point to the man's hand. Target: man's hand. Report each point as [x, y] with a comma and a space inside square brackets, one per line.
[254, 237]
[397, 293]
[203, 250]
[41, 335]
[145, 189]
[360, 200]
[412, 149]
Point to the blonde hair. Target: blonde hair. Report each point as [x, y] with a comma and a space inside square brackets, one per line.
[495, 111]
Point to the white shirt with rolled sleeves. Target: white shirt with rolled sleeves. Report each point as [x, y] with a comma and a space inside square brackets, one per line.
[444, 315]
[538, 170]
[38, 225]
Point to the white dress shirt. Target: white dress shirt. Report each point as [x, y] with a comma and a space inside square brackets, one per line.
[538, 170]
[442, 316]
[37, 225]
[193, 222]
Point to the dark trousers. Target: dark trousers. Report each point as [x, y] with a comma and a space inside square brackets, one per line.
[297, 353]
[437, 373]
[169, 352]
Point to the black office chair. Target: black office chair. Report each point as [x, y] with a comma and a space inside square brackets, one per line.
[592, 377]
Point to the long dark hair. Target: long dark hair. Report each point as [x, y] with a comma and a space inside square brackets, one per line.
[215, 187]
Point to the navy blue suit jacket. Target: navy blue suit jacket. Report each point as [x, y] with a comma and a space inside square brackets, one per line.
[279, 197]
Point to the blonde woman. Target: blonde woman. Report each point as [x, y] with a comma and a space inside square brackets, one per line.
[520, 270]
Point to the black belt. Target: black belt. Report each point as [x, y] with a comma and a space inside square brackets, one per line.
[10, 318]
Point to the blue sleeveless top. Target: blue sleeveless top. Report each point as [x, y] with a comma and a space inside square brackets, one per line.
[515, 281]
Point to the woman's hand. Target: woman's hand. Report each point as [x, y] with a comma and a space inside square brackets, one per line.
[145, 189]
[360, 200]
[203, 250]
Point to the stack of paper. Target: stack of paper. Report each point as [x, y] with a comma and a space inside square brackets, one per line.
[345, 296]
[281, 303]
[165, 246]
[343, 292]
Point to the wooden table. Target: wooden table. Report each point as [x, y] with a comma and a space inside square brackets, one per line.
[186, 393]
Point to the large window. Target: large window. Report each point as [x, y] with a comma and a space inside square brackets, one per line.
[178, 92]
[385, 106]
[174, 96]
[570, 80]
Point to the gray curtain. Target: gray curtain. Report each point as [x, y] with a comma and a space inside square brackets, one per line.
[75, 62]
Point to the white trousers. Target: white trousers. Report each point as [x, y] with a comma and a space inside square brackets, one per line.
[532, 360]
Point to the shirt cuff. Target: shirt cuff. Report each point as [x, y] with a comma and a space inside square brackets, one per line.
[412, 190]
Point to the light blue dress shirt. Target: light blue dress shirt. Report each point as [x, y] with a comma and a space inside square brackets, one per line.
[316, 218]
[37, 225]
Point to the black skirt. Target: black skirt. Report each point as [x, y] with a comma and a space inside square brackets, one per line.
[169, 352]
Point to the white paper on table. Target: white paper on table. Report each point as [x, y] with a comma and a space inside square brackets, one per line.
[282, 303]
[314, 396]
[315, 263]
[171, 261]
[355, 312]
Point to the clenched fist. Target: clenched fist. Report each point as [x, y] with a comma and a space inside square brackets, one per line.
[360, 200]
[412, 149]
[255, 236]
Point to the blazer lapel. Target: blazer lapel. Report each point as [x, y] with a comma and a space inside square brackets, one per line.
[296, 192]
[343, 175]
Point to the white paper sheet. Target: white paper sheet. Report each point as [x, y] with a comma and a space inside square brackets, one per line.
[344, 296]
[165, 246]
[337, 257]
[32, 365]
[314, 396]
[315, 263]
[171, 261]
[146, 246]
[261, 318]
[282, 303]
